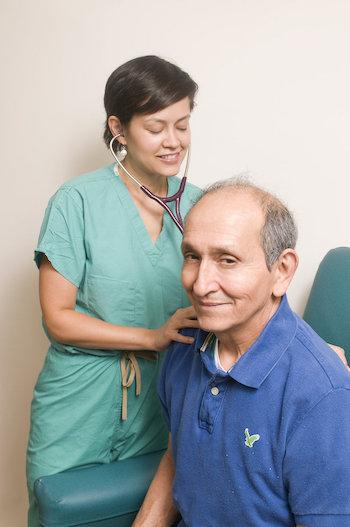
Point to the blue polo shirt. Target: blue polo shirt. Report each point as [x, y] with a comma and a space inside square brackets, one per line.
[266, 444]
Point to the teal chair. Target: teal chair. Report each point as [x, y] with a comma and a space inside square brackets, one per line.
[328, 308]
[107, 495]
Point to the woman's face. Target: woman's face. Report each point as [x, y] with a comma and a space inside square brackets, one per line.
[157, 142]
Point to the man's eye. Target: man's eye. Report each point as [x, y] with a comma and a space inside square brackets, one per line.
[190, 257]
[228, 261]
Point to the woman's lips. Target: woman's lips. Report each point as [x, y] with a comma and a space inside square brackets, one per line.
[170, 159]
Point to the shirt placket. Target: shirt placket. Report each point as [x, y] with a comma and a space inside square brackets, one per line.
[215, 390]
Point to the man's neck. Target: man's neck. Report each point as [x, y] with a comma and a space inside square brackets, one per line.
[235, 342]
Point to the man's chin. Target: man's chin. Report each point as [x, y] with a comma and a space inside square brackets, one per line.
[211, 324]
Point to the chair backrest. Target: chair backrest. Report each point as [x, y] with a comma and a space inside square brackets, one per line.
[328, 308]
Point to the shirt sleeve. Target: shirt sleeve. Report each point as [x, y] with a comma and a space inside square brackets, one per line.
[61, 237]
[163, 385]
[317, 464]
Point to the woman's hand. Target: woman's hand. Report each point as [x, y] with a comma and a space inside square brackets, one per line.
[182, 318]
[341, 354]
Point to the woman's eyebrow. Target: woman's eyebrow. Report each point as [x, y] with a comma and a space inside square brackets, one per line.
[156, 120]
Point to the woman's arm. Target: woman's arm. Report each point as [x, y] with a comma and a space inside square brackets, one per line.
[158, 509]
[65, 325]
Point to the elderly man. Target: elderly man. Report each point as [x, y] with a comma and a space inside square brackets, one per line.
[258, 406]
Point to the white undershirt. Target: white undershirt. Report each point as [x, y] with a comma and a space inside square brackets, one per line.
[217, 358]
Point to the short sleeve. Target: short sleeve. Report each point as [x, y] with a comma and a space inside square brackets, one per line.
[162, 387]
[317, 464]
[61, 236]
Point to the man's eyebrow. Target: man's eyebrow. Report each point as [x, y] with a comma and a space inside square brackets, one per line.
[217, 249]
[185, 246]
[188, 247]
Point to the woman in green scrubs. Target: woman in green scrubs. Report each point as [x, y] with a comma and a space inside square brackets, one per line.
[110, 288]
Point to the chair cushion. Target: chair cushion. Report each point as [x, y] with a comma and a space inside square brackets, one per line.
[328, 308]
[96, 496]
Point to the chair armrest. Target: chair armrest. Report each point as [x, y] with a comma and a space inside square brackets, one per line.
[95, 494]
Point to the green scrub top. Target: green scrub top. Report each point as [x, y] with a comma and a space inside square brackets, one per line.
[93, 235]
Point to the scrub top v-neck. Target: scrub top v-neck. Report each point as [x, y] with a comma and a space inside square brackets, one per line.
[150, 247]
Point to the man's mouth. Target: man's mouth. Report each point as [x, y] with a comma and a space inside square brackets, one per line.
[204, 305]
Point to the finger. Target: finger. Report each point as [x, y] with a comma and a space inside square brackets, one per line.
[191, 323]
[188, 312]
[177, 337]
[340, 352]
[185, 323]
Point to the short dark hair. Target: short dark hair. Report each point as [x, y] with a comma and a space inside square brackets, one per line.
[145, 85]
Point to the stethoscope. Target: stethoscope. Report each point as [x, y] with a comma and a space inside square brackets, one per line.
[177, 219]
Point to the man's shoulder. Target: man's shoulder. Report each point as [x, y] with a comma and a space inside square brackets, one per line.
[178, 365]
[312, 350]
[179, 353]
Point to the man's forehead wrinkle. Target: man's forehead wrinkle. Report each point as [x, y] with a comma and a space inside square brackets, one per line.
[230, 205]
[230, 227]
[222, 243]
[198, 234]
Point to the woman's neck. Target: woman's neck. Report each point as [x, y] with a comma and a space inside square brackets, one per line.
[154, 182]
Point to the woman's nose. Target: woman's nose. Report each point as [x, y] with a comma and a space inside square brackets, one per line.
[171, 139]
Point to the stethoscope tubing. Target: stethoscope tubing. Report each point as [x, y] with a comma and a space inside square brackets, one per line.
[162, 201]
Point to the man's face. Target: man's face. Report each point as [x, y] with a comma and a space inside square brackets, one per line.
[224, 270]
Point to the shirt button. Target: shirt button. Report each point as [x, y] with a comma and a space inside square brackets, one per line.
[215, 390]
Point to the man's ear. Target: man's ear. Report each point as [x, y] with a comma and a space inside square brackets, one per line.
[116, 128]
[284, 269]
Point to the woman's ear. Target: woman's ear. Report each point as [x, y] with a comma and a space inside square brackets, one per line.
[284, 269]
[116, 128]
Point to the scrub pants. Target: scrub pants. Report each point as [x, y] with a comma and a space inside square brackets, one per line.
[76, 416]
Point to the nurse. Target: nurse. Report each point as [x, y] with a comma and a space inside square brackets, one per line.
[110, 291]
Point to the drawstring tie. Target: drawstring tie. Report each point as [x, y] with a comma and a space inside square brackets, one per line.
[130, 372]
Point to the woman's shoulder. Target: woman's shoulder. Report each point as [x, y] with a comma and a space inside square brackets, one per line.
[193, 190]
[90, 179]
[81, 187]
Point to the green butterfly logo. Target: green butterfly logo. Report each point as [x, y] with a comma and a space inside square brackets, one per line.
[250, 439]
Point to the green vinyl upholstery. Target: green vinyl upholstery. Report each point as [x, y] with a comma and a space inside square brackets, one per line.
[328, 308]
[97, 496]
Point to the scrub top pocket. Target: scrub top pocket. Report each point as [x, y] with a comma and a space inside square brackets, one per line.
[111, 300]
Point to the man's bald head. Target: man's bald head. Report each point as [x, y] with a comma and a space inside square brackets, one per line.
[279, 231]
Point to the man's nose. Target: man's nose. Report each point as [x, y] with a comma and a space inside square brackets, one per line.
[205, 280]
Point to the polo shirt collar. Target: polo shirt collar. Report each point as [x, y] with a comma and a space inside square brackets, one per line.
[258, 361]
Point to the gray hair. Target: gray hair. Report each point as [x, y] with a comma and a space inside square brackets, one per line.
[279, 231]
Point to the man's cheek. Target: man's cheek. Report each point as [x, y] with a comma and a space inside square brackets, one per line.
[186, 278]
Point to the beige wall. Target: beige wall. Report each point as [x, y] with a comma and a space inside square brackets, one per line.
[274, 100]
